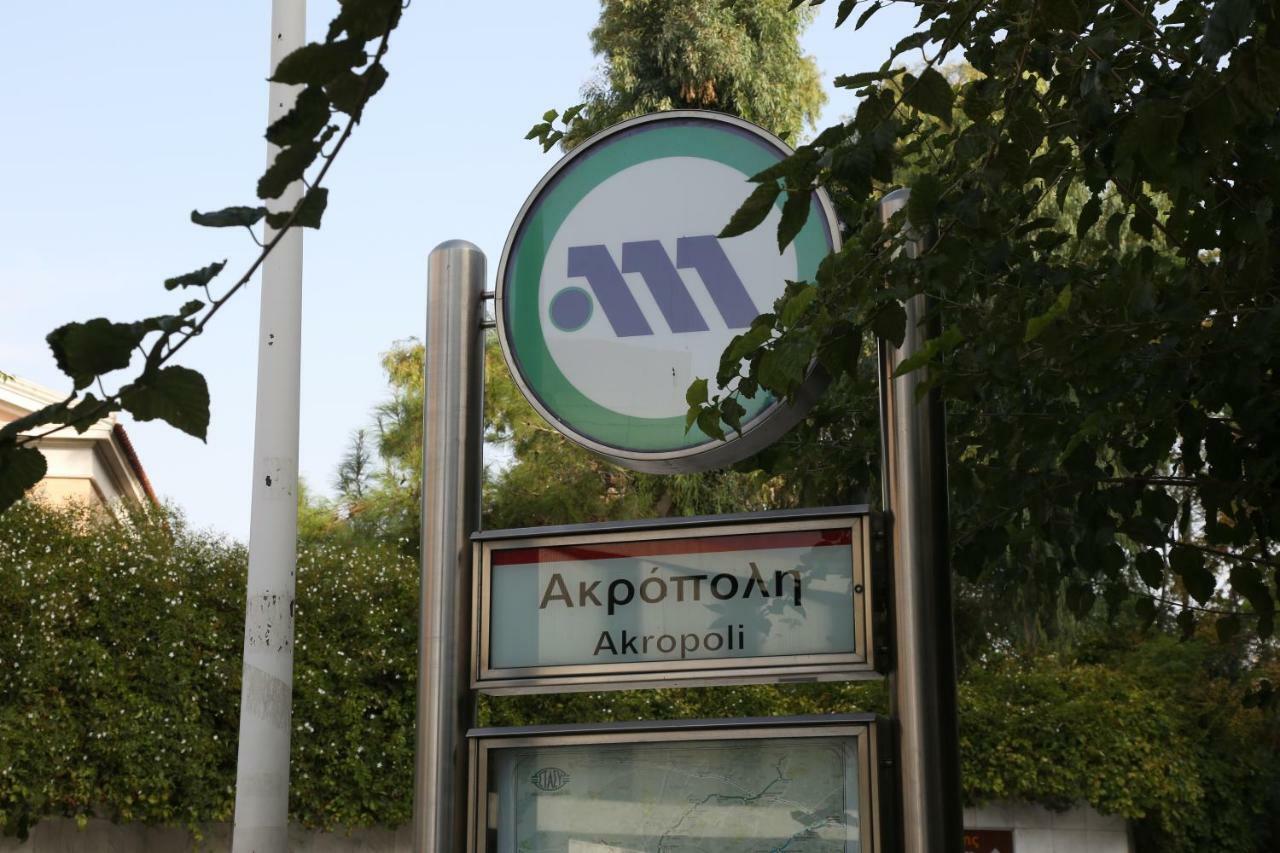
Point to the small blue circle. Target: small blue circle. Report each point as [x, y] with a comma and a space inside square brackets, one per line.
[571, 308]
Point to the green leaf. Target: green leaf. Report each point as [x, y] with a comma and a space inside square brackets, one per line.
[1146, 609]
[1143, 221]
[910, 42]
[697, 393]
[1186, 620]
[1226, 25]
[1060, 14]
[753, 211]
[1039, 223]
[290, 165]
[1088, 216]
[690, 417]
[709, 423]
[947, 341]
[310, 210]
[1080, 598]
[857, 81]
[980, 98]
[930, 93]
[20, 469]
[890, 322]
[796, 304]
[52, 413]
[783, 366]
[1160, 504]
[1144, 530]
[87, 350]
[551, 139]
[1188, 563]
[176, 395]
[350, 91]
[1247, 580]
[845, 9]
[1228, 626]
[794, 213]
[839, 351]
[798, 169]
[198, 278]
[166, 323]
[317, 63]
[1037, 325]
[874, 111]
[309, 115]
[84, 414]
[1152, 132]
[1114, 222]
[229, 216]
[866, 15]
[1259, 695]
[922, 203]
[748, 342]
[1150, 566]
[550, 115]
[731, 412]
[365, 20]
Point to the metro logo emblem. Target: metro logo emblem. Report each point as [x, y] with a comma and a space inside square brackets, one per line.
[650, 260]
[614, 295]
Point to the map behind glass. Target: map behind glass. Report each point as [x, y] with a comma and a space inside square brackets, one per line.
[798, 795]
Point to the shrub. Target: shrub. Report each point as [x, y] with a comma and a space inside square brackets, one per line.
[120, 674]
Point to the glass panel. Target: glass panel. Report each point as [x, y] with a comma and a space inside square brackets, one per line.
[695, 598]
[798, 795]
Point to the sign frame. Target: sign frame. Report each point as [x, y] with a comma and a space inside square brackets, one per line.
[761, 429]
[869, 601]
[872, 731]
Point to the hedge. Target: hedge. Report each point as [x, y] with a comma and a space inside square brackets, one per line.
[120, 674]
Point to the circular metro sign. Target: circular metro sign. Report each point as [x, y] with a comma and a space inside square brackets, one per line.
[614, 293]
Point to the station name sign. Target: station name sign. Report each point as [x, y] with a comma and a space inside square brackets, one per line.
[759, 598]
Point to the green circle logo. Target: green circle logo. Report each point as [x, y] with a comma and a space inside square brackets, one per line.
[614, 292]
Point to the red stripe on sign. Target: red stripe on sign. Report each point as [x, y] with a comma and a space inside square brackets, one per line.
[661, 547]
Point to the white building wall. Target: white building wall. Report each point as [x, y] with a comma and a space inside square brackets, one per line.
[1038, 830]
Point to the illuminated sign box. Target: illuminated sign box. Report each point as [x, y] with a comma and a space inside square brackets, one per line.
[797, 783]
[736, 599]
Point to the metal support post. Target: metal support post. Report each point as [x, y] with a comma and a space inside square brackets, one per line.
[923, 682]
[266, 691]
[453, 396]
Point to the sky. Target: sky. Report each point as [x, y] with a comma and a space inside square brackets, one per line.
[123, 117]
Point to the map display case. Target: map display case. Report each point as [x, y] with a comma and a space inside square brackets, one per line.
[793, 784]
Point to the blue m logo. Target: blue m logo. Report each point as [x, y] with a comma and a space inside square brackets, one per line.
[702, 254]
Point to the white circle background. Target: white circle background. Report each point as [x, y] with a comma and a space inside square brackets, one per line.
[647, 376]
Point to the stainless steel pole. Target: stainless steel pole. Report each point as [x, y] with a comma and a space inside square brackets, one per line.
[266, 692]
[453, 397]
[923, 681]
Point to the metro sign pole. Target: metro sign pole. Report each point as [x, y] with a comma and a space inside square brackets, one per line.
[923, 680]
[452, 430]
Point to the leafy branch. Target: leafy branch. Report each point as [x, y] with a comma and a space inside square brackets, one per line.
[1103, 211]
[338, 75]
